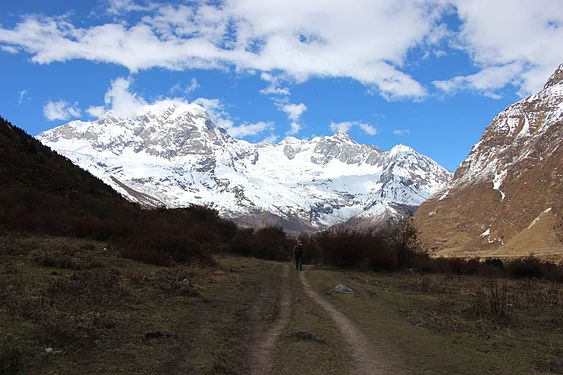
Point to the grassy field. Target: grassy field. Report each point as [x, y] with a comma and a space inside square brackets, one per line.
[452, 324]
[72, 306]
[69, 306]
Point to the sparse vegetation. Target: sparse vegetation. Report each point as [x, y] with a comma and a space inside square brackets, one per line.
[395, 247]
[59, 315]
[491, 302]
[448, 323]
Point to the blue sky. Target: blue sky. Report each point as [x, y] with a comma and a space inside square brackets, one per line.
[430, 73]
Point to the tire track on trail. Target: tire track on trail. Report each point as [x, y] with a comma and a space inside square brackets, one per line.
[368, 361]
[261, 361]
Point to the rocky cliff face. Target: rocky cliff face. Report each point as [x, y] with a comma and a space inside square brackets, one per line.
[506, 198]
[174, 155]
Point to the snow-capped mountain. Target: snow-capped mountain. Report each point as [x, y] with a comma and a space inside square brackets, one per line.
[506, 197]
[174, 155]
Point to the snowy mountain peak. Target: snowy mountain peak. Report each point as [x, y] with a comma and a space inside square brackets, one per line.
[555, 78]
[173, 153]
[168, 130]
[400, 149]
[510, 181]
[343, 137]
[512, 135]
[289, 140]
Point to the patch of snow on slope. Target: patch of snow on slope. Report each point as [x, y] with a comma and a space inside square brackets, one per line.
[444, 196]
[497, 182]
[538, 218]
[525, 131]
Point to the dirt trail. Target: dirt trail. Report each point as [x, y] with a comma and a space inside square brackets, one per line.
[261, 361]
[368, 361]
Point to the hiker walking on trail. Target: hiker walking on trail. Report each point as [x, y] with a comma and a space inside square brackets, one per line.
[298, 255]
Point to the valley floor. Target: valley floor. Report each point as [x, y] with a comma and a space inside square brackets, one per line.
[70, 306]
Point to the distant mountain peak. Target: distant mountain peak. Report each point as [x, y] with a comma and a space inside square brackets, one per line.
[343, 136]
[290, 140]
[174, 154]
[400, 149]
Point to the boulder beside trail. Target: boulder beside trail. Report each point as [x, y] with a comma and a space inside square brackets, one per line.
[340, 288]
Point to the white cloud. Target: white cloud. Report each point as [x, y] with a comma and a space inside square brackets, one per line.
[280, 97]
[295, 127]
[294, 111]
[401, 132]
[23, 96]
[216, 112]
[185, 89]
[96, 111]
[510, 43]
[245, 130]
[121, 101]
[316, 38]
[221, 118]
[274, 85]
[487, 81]
[341, 126]
[364, 40]
[118, 7]
[368, 129]
[273, 90]
[346, 126]
[60, 110]
[9, 49]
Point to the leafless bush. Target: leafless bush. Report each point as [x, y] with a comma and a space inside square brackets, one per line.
[491, 302]
[347, 248]
[266, 243]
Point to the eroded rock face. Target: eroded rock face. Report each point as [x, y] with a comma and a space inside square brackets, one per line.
[506, 198]
[174, 155]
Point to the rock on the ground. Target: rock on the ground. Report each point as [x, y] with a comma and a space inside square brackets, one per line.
[340, 288]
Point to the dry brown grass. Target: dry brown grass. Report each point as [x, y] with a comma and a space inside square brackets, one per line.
[447, 323]
[69, 306]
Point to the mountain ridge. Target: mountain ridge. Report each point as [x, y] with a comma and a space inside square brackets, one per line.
[505, 197]
[173, 153]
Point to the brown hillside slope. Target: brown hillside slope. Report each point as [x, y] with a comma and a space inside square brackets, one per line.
[506, 198]
[43, 191]
[26, 163]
